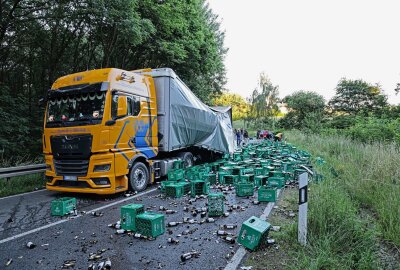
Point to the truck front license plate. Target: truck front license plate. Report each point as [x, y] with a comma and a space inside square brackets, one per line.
[71, 178]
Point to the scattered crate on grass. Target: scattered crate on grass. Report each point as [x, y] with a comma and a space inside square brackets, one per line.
[253, 233]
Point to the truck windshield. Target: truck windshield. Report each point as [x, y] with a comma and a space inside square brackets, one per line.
[75, 109]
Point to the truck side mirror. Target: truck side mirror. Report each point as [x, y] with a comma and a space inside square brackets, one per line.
[122, 106]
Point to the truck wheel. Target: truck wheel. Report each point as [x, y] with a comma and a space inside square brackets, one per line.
[187, 158]
[139, 177]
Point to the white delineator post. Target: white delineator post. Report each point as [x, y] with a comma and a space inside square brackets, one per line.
[303, 205]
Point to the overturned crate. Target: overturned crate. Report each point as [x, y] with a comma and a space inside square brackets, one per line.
[244, 189]
[128, 215]
[150, 224]
[253, 233]
[63, 206]
[215, 204]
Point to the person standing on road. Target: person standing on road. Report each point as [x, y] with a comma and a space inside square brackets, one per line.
[246, 136]
[238, 137]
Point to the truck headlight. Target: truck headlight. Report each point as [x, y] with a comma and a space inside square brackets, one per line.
[102, 168]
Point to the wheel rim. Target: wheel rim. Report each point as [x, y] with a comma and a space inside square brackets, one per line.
[188, 162]
[139, 178]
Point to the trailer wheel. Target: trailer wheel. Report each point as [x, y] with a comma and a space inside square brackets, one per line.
[139, 177]
[187, 158]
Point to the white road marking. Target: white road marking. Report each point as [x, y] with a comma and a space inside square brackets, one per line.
[65, 220]
[26, 193]
[233, 264]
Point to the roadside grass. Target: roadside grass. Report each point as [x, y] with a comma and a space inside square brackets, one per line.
[354, 213]
[21, 184]
[369, 174]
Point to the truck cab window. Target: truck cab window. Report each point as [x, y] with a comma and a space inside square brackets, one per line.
[135, 105]
[114, 106]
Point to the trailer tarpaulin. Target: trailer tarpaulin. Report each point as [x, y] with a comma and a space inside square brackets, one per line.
[185, 121]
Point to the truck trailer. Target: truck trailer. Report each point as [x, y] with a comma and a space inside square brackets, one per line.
[109, 130]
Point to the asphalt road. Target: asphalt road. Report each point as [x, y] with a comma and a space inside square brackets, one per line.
[74, 238]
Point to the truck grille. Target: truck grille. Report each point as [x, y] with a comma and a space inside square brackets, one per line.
[71, 167]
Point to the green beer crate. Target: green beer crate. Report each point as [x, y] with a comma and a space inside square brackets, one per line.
[225, 169]
[253, 233]
[221, 176]
[267, 194]
[199, 187]
[276, 173]
[175, 190]
[150, 224]
[179, 164]
[165, 183]
[215, 204]
[230, 179]
[63, 206]
[247, 178]
[237, 170]
[176, 175]
[278, 182]
[128, 215]
[244, 189]
[247, 171]
[237, 156]
[211, 178]
[259, 171]
[260, 180]
[185, 185]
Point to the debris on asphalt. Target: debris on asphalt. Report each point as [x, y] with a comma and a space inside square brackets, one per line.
[9, 261]
[189, 255]
[172, 240]
[97, 214]
[30, 245]
[69, 264]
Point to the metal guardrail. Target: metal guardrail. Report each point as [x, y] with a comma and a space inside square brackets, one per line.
[21, 170]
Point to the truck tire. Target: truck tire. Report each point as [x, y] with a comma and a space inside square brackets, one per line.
[187, 158]
[139, 177]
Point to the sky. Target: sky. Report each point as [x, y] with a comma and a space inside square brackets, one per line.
[309, 44]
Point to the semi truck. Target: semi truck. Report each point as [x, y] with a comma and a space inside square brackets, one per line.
[110, 130]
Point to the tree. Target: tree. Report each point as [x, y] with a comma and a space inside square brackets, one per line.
[305, 110]
[264, 101]
[357, 97]
[42, 40]
[239, 105]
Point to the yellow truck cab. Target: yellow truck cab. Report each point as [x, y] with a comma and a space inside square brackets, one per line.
[108, 130]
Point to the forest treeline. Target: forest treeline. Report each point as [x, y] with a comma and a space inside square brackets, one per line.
[42, 40]
[359, 110]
